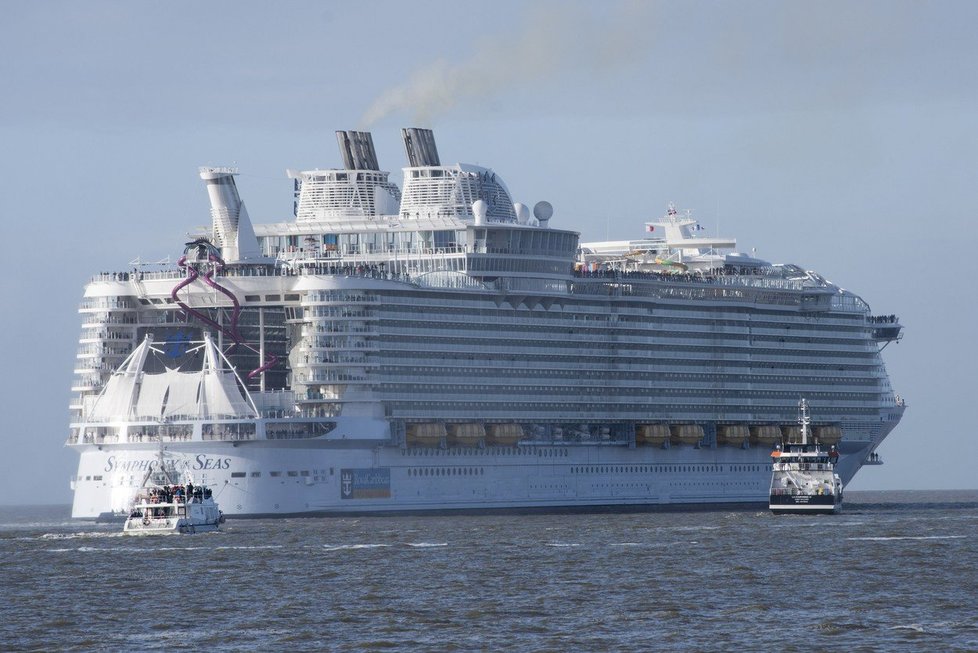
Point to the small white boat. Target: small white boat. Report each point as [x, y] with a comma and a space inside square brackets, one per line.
[173, 509]
[803, 478]
[163, 506]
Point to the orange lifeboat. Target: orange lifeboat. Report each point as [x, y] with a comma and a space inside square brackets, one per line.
[467, 435]
[504, 434]
[733, 434]
[651, 433]
[426, 434]
[765, 433]
[686, 433]
[828, 434]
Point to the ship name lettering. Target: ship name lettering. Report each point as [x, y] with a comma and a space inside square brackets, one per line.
[205, 462]
[113, 465]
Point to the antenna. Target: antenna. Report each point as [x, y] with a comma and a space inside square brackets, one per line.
[718, 217]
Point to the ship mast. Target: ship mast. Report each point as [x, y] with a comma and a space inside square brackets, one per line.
[804, 420]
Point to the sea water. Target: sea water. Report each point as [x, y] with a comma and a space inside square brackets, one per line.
[894, 571]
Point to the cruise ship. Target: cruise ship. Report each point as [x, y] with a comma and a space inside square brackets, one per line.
[436, 346]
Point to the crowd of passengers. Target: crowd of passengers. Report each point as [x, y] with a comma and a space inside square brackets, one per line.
[707, 276]
[350, 270]
[381, 272]
[188, 493]
[169, 494]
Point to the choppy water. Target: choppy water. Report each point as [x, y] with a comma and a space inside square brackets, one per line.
[896, 571]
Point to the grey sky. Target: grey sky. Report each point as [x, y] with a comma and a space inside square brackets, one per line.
[840, 136]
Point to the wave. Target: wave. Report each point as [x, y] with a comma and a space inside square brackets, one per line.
[351, 547]
[888, 538]
[73, 536]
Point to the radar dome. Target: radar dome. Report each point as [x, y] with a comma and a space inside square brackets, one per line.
[543, 211]
[480, 209]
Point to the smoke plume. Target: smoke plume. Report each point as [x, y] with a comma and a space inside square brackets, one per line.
[559, 39]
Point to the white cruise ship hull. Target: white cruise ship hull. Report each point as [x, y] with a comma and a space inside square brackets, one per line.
[252, 479]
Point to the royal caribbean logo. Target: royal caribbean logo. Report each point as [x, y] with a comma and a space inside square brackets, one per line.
[177, 344]
[373, 483]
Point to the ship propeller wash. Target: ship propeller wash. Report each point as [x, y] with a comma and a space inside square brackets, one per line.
[436, 345]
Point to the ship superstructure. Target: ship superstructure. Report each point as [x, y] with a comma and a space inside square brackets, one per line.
[438, 346]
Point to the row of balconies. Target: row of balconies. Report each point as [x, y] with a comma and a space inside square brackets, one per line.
[96, 336]
[505, 390]
[585, 355]
[337, 313]
[623, 332]
[95, 349]
[608, 380]
[461, 308]
[570, 366]
[103, 304]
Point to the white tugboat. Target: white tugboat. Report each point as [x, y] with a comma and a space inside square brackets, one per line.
[164, 507]
[803, 478]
